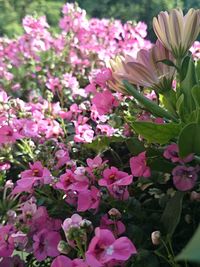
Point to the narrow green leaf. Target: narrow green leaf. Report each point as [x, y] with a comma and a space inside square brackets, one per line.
[157, 133]
[148, 104]
[191, 251]
[186, 85]
[184, 67]
[167, 62]
[196, 95]
[172, 213]
[189, 141]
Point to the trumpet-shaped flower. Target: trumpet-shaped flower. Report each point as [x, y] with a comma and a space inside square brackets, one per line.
[146, 70]
[176, 31]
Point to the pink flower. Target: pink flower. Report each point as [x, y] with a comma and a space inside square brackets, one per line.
[104, 102]
[184, 178]
[45, 244]
[6, 241]
[4, 166]
[104, 248]
[115, 226]
[36, 174]
[63, 157]
[139, 167]
[103, 76]
[63, 261]
[84, 134]
[71, 181]
[116, 182]
[72, 222]
[112, 176]
[96, 162]
[106, 129]
[89, 199]
[8, 135]
[15, 261]
[171, 152]
[54, 84]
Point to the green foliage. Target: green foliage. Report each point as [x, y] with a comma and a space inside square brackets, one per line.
[157, 133]
[189, 141]
[172, 213]
[191, 251]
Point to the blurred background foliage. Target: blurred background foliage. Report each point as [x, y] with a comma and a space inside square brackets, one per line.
[13, 11]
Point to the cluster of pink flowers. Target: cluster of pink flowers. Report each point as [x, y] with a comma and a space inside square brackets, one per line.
[58, 199]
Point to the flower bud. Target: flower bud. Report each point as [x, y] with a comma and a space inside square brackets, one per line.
[63, 247]
[155, 237]
[114, 213]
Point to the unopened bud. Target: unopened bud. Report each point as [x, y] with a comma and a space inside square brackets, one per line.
[114, 213]
[155, 237]
[63, 247]
[86, 224]
[9, 184]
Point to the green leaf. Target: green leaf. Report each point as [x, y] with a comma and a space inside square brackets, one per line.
[157, 133]
[184, 67]
[167, 62]
[172, 213]
[186, 85]
[191, 251]
[102, 143]
[196, 95]
[189, 141]
[148, 104]
[135, 146]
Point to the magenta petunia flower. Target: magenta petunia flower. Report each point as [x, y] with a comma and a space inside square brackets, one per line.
[139, 166]
[104, 248]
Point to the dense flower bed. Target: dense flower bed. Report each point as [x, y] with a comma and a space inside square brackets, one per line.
[90, 176]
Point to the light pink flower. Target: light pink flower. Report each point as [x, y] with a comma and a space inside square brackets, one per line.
[139, 166]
